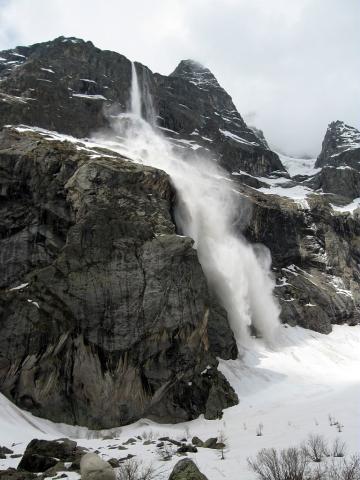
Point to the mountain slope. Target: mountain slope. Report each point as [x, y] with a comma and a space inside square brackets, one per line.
[107, 300]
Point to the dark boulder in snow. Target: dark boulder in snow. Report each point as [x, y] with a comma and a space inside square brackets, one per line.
[186, 470]
[41, 455]
[13, 474]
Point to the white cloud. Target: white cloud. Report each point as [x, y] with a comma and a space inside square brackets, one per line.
[293, 66]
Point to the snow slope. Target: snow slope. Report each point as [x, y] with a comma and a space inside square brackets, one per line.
[290, 389]
[299, 166]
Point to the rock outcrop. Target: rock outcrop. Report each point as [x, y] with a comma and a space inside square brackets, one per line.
[105, 313]
[339, 138]
[191, 102]
[315, 253]
[340, 162]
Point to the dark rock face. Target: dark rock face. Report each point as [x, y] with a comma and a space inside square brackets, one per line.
[70, 86]
[314, 247]
[63, 85]
[315, 258]
[260, 135]
[114, 320]
[186, 469]
[339, 138]
[191, 102]
[340, 162]
[342, 180]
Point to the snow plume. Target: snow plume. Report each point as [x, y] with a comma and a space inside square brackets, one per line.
[207, 209]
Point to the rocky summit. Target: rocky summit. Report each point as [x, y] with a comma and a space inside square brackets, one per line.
[339, 161]
[106, 315]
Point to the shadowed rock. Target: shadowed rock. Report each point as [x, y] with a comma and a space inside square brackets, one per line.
[115, 320]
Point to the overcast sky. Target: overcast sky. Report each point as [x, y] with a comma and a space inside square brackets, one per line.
[291, 66]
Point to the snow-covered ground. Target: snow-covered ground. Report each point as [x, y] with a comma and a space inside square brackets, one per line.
[350, 207]
[290, 389]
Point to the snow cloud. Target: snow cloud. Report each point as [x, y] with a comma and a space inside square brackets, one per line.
[290, 66]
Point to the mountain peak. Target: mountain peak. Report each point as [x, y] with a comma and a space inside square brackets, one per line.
[339, 138]
[68, 40]
[342, 136]
[195, 73]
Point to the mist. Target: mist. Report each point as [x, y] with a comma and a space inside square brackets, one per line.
[208, 207]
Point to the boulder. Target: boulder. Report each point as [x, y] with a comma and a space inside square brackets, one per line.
[187, 447]
[130, 441]
[63, 448]
[41, 455]
[114, 462]
[210, 442]
[93, 467]
[197, 442]
[33, 462]
[13, 474]
[186, 469]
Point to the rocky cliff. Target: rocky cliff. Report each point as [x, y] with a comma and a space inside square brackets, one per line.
[311, 226]
[339, 161]
[105, 312]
